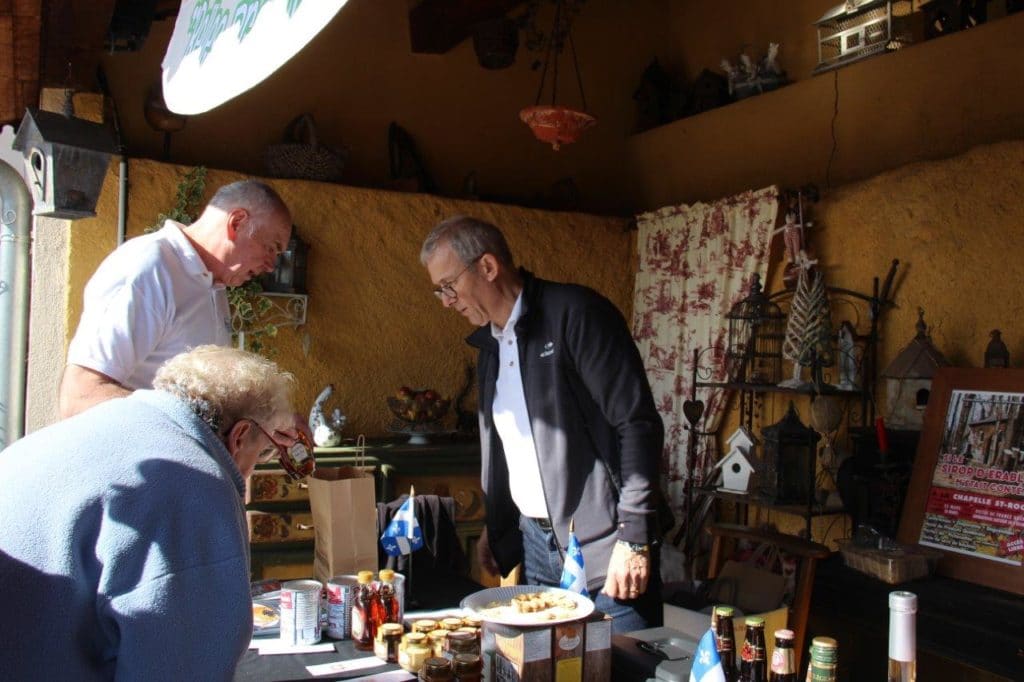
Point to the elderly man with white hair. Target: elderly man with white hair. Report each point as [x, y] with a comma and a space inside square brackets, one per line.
[123, 549]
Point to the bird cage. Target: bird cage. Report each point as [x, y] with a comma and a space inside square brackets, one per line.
[756, 330]
[857, 29]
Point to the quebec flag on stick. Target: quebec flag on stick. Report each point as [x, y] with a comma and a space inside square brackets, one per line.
[707, 666]
[574, 577]
[403, 534]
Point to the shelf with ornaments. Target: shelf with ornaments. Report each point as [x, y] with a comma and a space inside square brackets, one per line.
[832, 375]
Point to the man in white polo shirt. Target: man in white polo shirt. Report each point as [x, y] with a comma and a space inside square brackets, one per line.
[162, 293]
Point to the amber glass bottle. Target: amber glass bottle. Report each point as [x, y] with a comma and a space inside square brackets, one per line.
[363, 631]
[725, 640]
[753, 660]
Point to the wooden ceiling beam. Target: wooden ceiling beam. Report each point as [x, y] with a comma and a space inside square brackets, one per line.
[73, 34]
[20, 26]
[436, 26]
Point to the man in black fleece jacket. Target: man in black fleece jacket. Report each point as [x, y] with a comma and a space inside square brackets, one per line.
[568, 426]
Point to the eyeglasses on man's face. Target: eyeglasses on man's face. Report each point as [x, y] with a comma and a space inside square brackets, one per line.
[296, 459]
[447, 289]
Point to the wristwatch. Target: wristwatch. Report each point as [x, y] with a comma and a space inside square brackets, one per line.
[634, 547]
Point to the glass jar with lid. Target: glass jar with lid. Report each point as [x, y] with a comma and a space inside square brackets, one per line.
[436, 670]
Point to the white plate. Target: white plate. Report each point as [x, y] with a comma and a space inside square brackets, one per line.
[478, 601]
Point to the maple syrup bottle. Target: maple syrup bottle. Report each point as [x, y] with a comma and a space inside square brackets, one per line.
[363, 630]
[385, 606]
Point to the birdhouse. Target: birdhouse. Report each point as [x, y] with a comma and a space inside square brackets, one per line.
[857, 29]
[789, 460]
[741, 440]
[736, 470]
[66, 162]
[756, 332]
[908, 379]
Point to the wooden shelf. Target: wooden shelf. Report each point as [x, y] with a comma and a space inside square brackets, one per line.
[801, 510]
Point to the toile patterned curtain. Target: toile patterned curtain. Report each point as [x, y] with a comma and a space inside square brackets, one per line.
[696, 262]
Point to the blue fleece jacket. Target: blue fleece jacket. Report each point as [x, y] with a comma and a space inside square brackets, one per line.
[123, 548]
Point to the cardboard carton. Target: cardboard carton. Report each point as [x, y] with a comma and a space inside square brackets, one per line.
[574, 651]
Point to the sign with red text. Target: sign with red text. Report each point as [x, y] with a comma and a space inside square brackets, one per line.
[975, 505]
[221, 48]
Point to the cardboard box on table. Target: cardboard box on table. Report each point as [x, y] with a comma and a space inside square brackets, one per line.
[575, 651]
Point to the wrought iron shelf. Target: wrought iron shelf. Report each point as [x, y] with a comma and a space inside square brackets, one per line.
[796, 509]
[825, 389]
[286, 309]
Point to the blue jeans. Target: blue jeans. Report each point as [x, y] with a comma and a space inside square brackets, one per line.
[542, 565]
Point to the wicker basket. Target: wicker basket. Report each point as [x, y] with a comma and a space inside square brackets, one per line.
[302, 156]
[893, 566]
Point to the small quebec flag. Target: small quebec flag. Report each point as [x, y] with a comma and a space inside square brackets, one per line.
[403, 534]
[707, 666]
[574, 576]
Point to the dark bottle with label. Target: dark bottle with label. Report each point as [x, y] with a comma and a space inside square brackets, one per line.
[783, 668]
[725, 640]
[753, 660]
[385, 606]
[363, 631]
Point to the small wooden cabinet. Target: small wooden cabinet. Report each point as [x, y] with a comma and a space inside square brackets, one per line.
[280, 525]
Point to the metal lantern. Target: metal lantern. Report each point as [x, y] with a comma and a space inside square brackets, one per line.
[66, 162]
[857, 29]
[788, 470]
[756, 331]
[289, 275]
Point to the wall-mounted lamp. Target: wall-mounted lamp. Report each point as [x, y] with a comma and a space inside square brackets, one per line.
[289, 276]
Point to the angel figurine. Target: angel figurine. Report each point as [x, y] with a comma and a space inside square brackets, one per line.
[792, 237]
[847, 358]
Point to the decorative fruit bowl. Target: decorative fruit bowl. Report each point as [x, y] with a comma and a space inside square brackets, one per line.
[418, 406]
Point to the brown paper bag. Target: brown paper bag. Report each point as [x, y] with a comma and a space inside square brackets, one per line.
[344, 506]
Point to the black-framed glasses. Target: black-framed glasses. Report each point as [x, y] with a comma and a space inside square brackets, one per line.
[447, 290]
[296, 459]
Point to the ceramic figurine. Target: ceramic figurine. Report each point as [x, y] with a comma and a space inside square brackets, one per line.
[326, 430]
[847, 358]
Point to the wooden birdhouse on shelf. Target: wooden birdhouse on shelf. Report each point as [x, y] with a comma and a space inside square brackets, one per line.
[908, 379]
[756, 330]
[857, 29]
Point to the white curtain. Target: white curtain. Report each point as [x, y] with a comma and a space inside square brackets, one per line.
[696, 262]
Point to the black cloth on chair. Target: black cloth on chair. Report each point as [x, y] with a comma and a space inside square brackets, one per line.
[440, 559]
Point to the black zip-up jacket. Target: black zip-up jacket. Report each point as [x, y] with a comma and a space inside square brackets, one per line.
[597, 433]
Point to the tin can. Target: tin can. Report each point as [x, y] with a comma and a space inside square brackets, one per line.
[340, 593]
[300, 612]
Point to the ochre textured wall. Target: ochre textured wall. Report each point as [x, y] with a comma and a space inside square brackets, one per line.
[955, 226]
[373, 324]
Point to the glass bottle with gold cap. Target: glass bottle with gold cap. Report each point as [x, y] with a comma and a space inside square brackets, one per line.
[385, 606]
[362, 612]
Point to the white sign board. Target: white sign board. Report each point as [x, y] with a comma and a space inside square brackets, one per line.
[221, 48]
